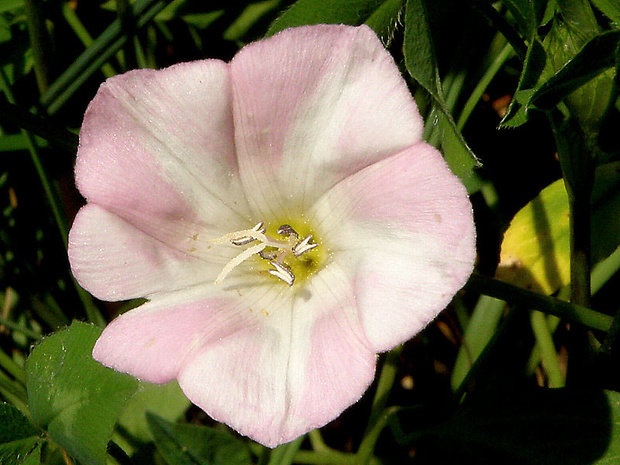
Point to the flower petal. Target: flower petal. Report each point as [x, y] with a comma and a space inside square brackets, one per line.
[157, 148]
[295, 371]
[155, 340]
[115, 261]
[313, 105]
[404, 229]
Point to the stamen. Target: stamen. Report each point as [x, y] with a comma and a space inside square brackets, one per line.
[260, 227]
[247, 253]
[283, 272]
[303, 246]
[279, 249]
[287, 230]
[271, 255]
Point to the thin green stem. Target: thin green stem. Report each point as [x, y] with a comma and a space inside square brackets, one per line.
[265, 456]
[580, 267]
[483, 323]
[92, 312]
[39, 42]
[367, 446]
[482, 85]
[50, 194]
[12, 387]
[604, 270]
[378, 418]
[128, 26]
[570, 312]
[82, 33]
[384, 386]
[285, 454]
[19, 400]
[104, 46]
[549, 356]
[316, 439]
[328, 458]
[15, 327]
[12, 368]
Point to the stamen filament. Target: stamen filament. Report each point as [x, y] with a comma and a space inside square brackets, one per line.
[247, 253]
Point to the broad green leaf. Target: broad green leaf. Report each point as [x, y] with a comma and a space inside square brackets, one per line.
[384, 20]
[419, 49]
[167, 401]
[456, 152]
[196, 445]
[610, 8]
[19, 439]
[304, 12]
[535, 61]
[421, 63]
[536, 248]
[527, 13]
[34, 457]
[579, 14]
[594, 58]
[533, 427]
[73, 397]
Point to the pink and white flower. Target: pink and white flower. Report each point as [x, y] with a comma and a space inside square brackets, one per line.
[282, 216]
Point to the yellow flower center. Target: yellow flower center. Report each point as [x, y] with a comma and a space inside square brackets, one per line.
[290, 251]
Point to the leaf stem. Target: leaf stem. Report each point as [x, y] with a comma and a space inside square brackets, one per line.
[378, 418]
[546, 304]
[82, 33]
[482, 85]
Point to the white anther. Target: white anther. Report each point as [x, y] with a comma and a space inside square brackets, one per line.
[245, 240]
[278, 251]
[283, 272]
[242, 241]
[303, 246]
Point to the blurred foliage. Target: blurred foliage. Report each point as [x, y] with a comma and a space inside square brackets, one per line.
[523, 98]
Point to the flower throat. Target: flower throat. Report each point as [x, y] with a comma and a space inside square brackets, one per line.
[281, 254]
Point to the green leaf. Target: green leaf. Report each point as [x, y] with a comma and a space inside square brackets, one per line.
[607, 139]
[73, 397]
[579, 15]
[610, 8]
[304, 12]
[19, 439]
[11, 5]
[419, 49]
[384, 20]
[593, 59]
[483, 324]
[421, 63]
[196, 445]
[166, 401]
[527, 13]
[533, 427]
[536, 248]
[535, 61]
[456, 152]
